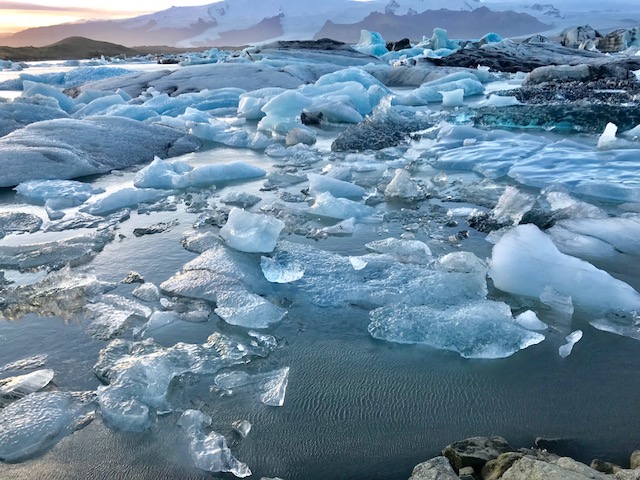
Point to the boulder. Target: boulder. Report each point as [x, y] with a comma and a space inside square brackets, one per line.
[494, 469]
[563, 469]
[468, 473]
[605, 467]
[437, 468]
[635, 459]
[627, 475]
[475, 451]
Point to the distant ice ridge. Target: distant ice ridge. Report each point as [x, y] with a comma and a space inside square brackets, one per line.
[432, 92]
[71, 78]
[209, 451]
[138, 374]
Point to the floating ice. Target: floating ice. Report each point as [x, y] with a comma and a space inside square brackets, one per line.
[11, 222]
[36, 361]
[205, 175]
[126, 197]
[283, 112]
[572, 339]
[57, 193]
[31, 89]
[241, 427]
[481, 329]
[22, 112]
[337, 188]
[453, 98]
[209, 452]
[402, 187]
[99, 106]
[562, 304]
[326, 205]
[512, 206]
[110, 316]
[626, 325]
[432, 92]
[579, 245]
[245, 309]
[14, 388]
[147, 292]
[302, 135]
[345, 227]
[530, 321]
[250, 232]
[277, 270]
[407, 251]
[608, 137]
[623, 234]
[525, 261]
[251, 103]
[271, 386]
[38, 421]
[371, 43]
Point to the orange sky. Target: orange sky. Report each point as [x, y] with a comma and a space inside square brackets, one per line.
[18, 15]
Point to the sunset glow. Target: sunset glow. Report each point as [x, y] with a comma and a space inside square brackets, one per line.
[18, 15]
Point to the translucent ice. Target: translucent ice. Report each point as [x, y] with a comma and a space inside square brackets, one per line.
[371, 43]
[13, 388]
[283, 112]
[402, 187]
[608, 137]
[38, 421]
[245, 309]
[530, 321]
[279, 270]
[251, 232]
[241, 427]
[111, 315]
[481, 329]
[453, 98]
[337, 188]
[512, 206]
[408, 251]
[126, 197]
[432, 92]
[209, 451]
[623, 234]
[572, 339]
[19, 222]
[147, 292]
[562, 304]
[525, 261]
[326, 205]
[64, 192]
[271, 386]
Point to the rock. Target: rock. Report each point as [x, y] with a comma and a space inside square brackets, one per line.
[475, 451]
[399, 45]
[133, 277]
[563, 469]
[437, 468]
[468, 473]
[605, 467]
[311, 118]
[627, 475]
[494, 469]
[635, 459]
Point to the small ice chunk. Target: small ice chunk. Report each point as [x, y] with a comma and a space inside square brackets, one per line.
[245, 309]
[270, 386]
[608, 138]
[337, 188]
[402, 187]
[110, 317]
[127, 197]
[530, 321]
[240, 199]
[558, 302]
[13, 388]
[57, 193]
[453, 98]
[618, 323]
[326, 205]
[158, 320]
[251, 232]
[277, 270]
[147, 292]
[303, 135]
[241, 427]
[512, 206]
[345, 227]
[572, 339]
[358, 263]
[407, 251]
[209, 452]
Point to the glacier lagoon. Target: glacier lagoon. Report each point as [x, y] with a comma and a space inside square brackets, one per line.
[401, 326]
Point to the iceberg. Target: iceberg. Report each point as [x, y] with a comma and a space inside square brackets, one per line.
[480, 329]
[251, 232]
[57, 193]
[209, 451]
[572, 339]
[371, 43]
[525, 261]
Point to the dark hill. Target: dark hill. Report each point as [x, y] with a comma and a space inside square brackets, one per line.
[459, 24]
[72, 48]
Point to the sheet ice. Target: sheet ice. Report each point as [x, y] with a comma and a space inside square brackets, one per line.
[251, 232]
[271, 387]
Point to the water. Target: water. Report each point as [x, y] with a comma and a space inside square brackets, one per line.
[355, 407]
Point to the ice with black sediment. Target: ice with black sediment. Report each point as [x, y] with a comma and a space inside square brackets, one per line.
[38, 421]
[14, 388]
[138, 374]
[209, 451]
[18, 222]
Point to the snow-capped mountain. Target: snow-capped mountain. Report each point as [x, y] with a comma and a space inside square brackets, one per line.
[238, 22]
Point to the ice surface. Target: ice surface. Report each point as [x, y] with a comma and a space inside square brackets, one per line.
[14, 388]
[278, 270]
[407, 251]
[579, 245]
[530, 321]
[345, 227]
[57, 193]
[453, 98]
[31, 89]
[38, 421]
[245, 309]
[240, 199]
[562, 304]
[627, 325]
[282, 112]
[209, 451]
[22, 112]
[241, 427]
[525, 261]
[302, 135]
[432, 92]
[126, 197]
[69, 148]
[270, 386]
[147, 292]
[21, 222]
[501, 101]
[99, 106]
[326, 205]
[371, 43]
[622, 234]
[337, 188]
[480, 329]
[512, 206]
[572, 339]
[251, 232]
[110, 316]
[402, 187]
[139, 373]
[608, 137]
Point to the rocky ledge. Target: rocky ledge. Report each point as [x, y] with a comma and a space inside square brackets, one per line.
[492, 458]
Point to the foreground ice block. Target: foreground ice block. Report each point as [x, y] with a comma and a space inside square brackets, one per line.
[406, 251]
[209, 451]
[337, 188]
[525, 261]
[326, 205]
[245, 309]
[251, 232]
[14, 388]
[480, 329]
[127, 197]
[57, 193]
[38, 421]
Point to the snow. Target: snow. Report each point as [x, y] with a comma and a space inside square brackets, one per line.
[251, 232]
[525, 261]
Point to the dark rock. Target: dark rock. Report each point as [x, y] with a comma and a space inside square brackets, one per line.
[133, 277]
[155, 228]
[311, 118]
[437, 468]
[605, 467]
[399, 45]
[475, 451]
[559, 446]
[484, 222]
[494, 469]
[635, 459]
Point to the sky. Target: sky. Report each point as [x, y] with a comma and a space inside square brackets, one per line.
[18, 15]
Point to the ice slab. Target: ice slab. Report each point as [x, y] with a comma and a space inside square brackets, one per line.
[453, 98]
[245, 309]
[326, 205]
[147, 292]
[110, 316]
[432, 92]
[337, 188]
[20, 222]
[481, 329]
[406, 251]
[270, 386]
[38, 421]
[14, 388]
[572, 339]
[57, 193]
[625, 325]
[402, 187]
[68, 148]
[277, 270]
[525, 261]
[250, 232]
[209, 451]
[126, 197]
[623, 234]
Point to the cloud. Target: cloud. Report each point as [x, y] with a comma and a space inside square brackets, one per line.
[42, 8]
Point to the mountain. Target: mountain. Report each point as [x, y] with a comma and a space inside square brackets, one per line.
[239, 22]
[73, 48]
[459, 24]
